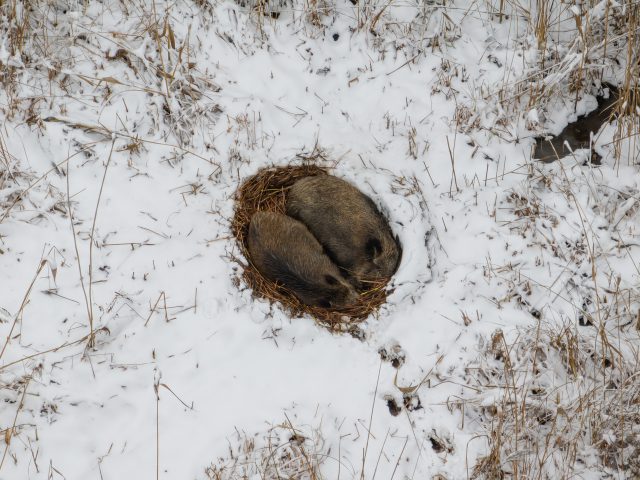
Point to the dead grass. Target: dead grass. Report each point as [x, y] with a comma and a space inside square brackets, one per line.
[11, 178]
[580, 47]
[557, 402]
[283, 452]
[267, 191]
[561, 398]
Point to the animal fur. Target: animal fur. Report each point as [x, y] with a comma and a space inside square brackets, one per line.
[284, 251]
[349, 226]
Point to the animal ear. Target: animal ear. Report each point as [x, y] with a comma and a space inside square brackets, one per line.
[373, 247]
[331, 280]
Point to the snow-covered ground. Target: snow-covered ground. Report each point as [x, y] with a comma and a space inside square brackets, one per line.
[127, 128]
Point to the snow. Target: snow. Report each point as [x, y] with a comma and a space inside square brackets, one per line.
[185, 356]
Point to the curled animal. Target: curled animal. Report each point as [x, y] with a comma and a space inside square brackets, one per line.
[284, 251]
[349, 226]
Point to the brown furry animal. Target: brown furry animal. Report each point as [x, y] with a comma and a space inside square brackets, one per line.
[284, 250]
[349, 226]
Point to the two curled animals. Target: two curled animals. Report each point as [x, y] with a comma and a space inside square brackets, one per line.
[331, 245]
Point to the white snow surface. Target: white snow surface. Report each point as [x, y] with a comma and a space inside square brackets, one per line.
[166, 302]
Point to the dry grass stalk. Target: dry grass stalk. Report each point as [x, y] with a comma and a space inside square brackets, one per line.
[561, 401]
[23, 304]
[628, 105]
[555, 403]
[285, 451]
[21, 194]
[267, 191]
[581, 46]
[9, 433]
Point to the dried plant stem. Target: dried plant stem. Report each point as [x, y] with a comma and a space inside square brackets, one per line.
[25, 299]
[10, 431]
[156, 389]
[373, 404]
[91, 243]
[43, 352]
[162, 295]
[88, 296]
[75, 244]
[453, 163]
[399, 458]
[21, 195]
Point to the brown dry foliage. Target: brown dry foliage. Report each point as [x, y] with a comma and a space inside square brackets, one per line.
[267, 191]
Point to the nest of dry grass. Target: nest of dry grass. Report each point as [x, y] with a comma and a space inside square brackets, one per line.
[267, 191]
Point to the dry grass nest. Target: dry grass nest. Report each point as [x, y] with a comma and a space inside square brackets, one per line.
[267, 191]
